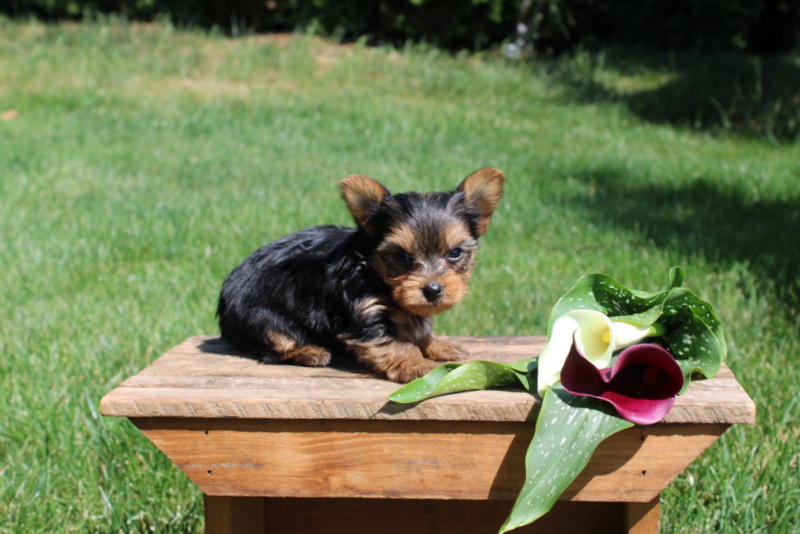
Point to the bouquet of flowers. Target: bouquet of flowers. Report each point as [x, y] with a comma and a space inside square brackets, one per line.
[614, 357]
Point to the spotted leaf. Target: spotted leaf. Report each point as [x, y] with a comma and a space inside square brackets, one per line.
[455, 377]
[568, 430]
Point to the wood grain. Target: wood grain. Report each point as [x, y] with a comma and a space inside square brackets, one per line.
[411, 459]
[203, 378]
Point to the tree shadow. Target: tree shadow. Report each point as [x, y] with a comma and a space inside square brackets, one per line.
[705, 218]
[745, 95]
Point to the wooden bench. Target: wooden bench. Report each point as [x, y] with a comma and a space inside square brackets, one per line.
[280, 448]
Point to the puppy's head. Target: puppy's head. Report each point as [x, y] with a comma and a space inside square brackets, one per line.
[424, 244]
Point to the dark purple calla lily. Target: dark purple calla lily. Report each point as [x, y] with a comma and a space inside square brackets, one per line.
[642, 384]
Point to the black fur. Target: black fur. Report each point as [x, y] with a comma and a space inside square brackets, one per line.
[305, 284]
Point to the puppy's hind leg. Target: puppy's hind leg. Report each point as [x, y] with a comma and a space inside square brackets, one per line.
[308, 355]
[290, 351]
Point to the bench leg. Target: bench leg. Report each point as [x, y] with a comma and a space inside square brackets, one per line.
[643, 518]
[234, 515]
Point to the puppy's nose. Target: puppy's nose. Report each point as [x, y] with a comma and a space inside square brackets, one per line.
[432, 291]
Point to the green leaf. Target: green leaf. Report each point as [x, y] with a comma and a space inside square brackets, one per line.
[455, 377]
[676, 277]
[693, 332]
[602, 293]
[568, 430]
[528, 365]
[697, 349]
[422, 387]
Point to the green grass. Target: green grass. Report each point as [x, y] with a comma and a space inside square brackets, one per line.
[746, 95]
[146, 162]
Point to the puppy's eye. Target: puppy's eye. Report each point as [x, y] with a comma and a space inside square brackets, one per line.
[401, 256]
[455, 254]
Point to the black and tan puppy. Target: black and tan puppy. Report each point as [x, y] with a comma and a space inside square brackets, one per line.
[370, 291]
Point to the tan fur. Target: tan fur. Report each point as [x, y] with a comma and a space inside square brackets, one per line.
[403, 361]
[371, 306]
[484, 187]
[410, 327]
[280, 343]
[308, 355]
[455, 235]
[442, 351]
[361, 194]
[404, 237]
[399, 361]
[288, 350]
[407, 289]
[407, 293]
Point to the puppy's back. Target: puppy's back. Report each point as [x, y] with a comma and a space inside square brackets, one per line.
[279, 285]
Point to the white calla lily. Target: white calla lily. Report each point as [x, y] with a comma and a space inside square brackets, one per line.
[598, 337]
[625, 334]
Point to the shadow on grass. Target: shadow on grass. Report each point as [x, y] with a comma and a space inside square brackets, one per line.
[704, 218]
[745, 95]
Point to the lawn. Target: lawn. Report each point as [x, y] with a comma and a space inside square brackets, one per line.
[143, 162]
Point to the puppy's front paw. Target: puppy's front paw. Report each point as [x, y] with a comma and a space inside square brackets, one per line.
[399, 361]
[407, 371]
[443, 351]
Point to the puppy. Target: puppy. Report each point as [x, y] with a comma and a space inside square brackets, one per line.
[370, 291]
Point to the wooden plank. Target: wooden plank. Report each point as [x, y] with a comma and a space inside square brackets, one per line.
[370, 516]
[410, 459]
[642, 518]
[200, 379]
[234, 515]
[270, 404]
[267, 402]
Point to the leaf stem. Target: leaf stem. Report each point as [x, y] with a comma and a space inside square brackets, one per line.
[657, 330]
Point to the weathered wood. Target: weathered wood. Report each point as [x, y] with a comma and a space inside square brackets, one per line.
[200, 379]
[411, 459]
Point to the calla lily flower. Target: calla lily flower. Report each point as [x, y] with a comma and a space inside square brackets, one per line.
[642, 384]
[596, 336]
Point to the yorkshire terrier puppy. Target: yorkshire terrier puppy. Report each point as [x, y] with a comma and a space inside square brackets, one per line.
[370, 291]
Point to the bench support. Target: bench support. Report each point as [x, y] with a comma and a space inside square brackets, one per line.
[234, 515]
[256, 515]
[643, 518]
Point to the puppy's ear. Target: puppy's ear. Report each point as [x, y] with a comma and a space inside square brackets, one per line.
[483, 190]
[363, 197]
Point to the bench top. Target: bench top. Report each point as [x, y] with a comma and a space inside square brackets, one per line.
[203, 378]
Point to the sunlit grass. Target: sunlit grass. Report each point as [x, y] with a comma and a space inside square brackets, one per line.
[145, 162]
